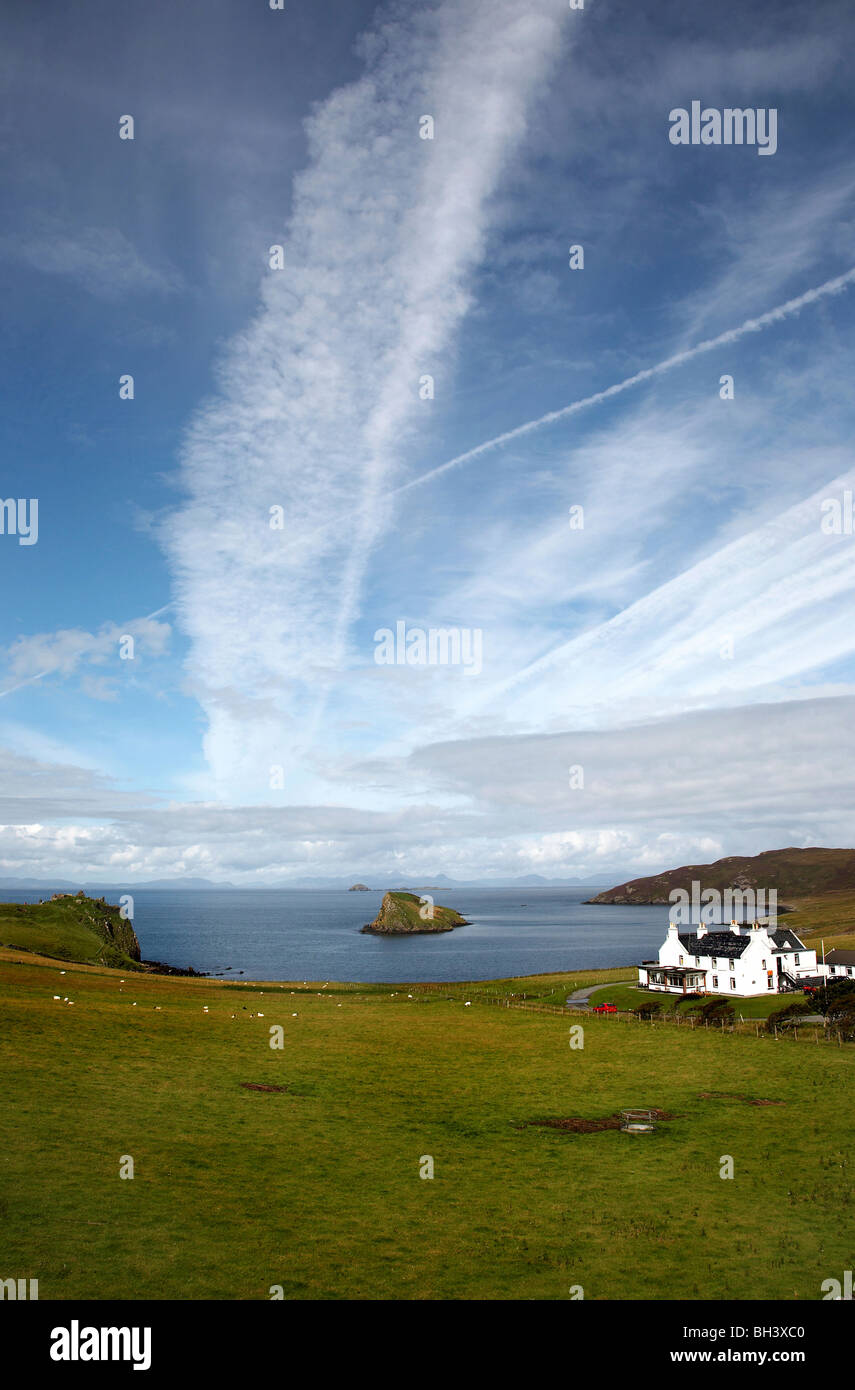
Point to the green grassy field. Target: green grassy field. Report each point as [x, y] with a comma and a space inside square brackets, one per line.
[317, 1188]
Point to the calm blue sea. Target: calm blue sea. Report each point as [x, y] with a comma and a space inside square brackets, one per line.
[308, 935]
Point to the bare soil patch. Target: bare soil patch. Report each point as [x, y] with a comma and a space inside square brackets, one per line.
[577, 1124]
[738, 1095]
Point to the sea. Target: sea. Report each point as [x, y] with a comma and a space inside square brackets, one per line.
[305, 934]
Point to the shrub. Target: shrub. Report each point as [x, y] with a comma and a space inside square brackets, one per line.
[649, 1008]
[786, 1015]
[837, 999]
[717, 1011]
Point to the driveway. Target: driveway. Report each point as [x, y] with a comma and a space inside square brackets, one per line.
[579, 1000]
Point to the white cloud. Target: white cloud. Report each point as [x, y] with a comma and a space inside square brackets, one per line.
[63, 652]
[319, 396]
[101, 259]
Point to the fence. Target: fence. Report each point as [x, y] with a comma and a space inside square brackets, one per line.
[817, 1033]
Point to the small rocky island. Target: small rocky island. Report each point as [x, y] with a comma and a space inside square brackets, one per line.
[359, 888]
[401, 914]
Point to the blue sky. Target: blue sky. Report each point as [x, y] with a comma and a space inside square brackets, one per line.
[689, 647]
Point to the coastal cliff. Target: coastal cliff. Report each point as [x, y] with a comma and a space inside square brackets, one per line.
[72, 927]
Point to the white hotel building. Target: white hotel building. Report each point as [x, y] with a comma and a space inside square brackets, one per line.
[746, 958]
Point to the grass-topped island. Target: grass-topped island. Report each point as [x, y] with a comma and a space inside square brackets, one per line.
[405, 914]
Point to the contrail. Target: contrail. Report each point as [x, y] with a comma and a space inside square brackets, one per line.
[41, 674]
[783, 311]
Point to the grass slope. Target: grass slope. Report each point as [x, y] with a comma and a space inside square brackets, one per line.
[317, 1188]
[71, 928]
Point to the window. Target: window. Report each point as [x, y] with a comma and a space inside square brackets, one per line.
[849, 970]
[697, 960]
[769, 980]
[715, 981]
[681, 960]
[730, 964]
[763, 963]
[732, 983]
[797, 958]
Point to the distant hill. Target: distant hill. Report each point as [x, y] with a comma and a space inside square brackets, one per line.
[71, 928]
[794, 873]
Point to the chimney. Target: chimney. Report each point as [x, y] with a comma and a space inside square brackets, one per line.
[701, 929]
[672, 928]
[734, 926]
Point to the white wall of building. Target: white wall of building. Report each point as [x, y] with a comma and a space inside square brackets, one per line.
[754, 971]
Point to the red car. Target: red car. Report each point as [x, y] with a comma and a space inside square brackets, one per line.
[605, 1008]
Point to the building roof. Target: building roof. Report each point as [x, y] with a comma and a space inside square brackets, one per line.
[787, 940]
[839, 957]
[714, 943]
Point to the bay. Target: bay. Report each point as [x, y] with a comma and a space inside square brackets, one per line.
[294, 934]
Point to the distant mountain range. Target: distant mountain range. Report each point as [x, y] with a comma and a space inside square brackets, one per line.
[380, 883]
[400, 883]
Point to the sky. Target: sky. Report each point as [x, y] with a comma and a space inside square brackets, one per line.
[425, 544]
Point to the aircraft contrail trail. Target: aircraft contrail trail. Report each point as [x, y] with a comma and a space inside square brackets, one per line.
[50, 670]
[783, 311]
